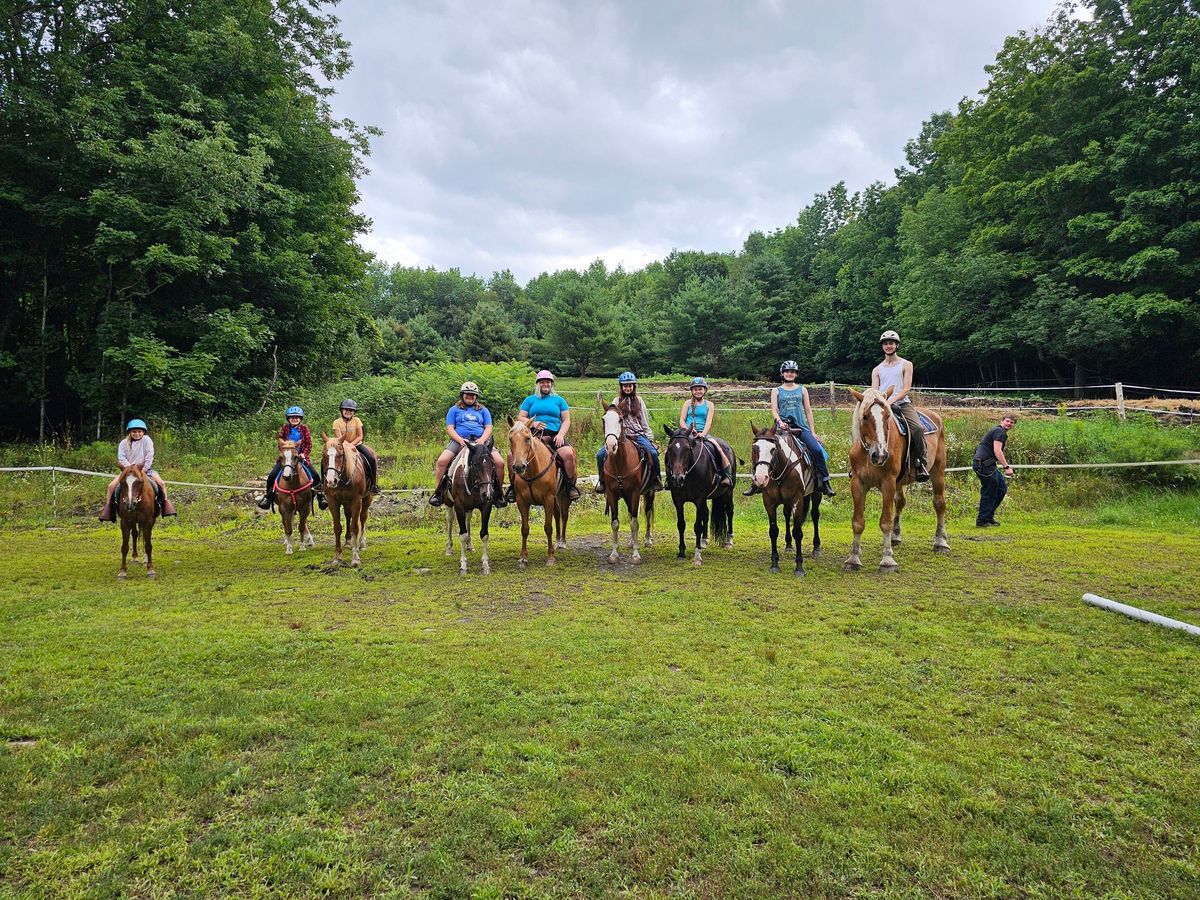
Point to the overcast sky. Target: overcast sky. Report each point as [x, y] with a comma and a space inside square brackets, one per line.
[537, 136]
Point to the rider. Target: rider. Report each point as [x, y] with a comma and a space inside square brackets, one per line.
[136, 449]
[792, 410]
[349, 427]
[635, 422]
[468, 422]
[296, 431]
[551, 411]
[698, 414]
[896, 372]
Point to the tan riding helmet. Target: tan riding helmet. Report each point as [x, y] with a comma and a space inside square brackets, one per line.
[889, 335]
[470, 387]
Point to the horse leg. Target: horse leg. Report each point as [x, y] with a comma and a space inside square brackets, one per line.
[285, 515]
[555, 506]
[887, 562]
[773, 515]
[461, 515]
[798, 533]
[701, 530]
[470, 520]
[787, 530]
[121, 573]
[854, 561]
[362, 527]
[941, 543]
[335, 507]
[901, 500]
[680, 524]
[148, 546]
[523, 509]
[133, 530]
[648, 506]
[562, 512]
[353, 514]
[484, 516]
[305, 536]
[614, 512]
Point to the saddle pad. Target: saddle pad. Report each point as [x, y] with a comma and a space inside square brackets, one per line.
[459, 462]
[926, 424]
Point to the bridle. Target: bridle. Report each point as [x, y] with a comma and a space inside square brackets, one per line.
[882, 442]
[789, 467]
[690, 438]
[333, 475]
[288, 470]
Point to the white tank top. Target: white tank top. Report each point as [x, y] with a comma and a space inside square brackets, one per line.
[893, 377]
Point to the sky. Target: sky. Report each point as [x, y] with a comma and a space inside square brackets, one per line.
[536, 135]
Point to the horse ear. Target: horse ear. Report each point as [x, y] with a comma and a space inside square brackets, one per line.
[511, 423]
[888, 392]
[667, 430]
[857, 395]
[324, 437]
[599, 404]
[753, 429]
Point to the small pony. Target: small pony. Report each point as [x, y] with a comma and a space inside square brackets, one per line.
[878, 458]
[348, 489]
[294, 494]
[138, 512]
[471, 481]
[536, 482]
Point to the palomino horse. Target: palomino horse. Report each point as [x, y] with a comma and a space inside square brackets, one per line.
[348, 489]
[471, 481]
[624, 478]
[294, 494]
[694, 476]
[138, 511]
[536, 483]
[784, 476]
[877, 459]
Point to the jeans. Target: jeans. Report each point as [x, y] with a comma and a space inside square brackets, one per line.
[992, 488]
[642, 441]
[809, 440]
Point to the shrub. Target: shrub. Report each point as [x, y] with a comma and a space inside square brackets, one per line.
[426, 392]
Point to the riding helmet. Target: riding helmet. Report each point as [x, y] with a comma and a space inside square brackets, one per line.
[350, 404]
[136, 423]
[626, 378]
[699, 382]
[469, 387]
[789, 364]
[544, 375]
[889, 335]
[294, 411]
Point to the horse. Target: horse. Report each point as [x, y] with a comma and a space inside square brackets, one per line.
[694, 476]
[536, 482]
[348, 489]
[877, 459]
[784, 476]
[624, 479]
[138, 511]
[294, 493]
[471, 481]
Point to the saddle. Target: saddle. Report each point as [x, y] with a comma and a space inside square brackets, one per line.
[927, 426]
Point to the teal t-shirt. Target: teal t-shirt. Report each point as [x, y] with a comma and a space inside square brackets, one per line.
[548, 410]
[791, 403]
[697, 414]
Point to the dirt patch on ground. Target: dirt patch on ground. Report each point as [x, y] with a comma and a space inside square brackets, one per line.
[533, 602]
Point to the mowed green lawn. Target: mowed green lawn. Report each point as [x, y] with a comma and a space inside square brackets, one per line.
[254, 723]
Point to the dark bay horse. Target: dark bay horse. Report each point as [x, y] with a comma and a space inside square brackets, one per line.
[694, 476]
[293, 494]
[536, 482]
[625, 478]
[786, 478]
[877, 459]
[348, 490]
[471, 480]
[138, 512]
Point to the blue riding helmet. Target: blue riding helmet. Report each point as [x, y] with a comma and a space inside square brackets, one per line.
[294, 411]
[136, 423]
[699, 382]
[789, 365]
[626, 378]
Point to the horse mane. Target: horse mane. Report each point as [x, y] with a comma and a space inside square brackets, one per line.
[351, 454]
[870, 395]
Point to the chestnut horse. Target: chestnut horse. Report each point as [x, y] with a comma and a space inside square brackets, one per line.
[877, 459]
[536, 482]
[471, 480]
[293, 494]
[784, 477]
[138, 511]
[624, 479]
[348, 489]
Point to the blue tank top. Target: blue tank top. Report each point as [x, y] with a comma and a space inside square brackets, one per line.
[697, 414]
[791, 403]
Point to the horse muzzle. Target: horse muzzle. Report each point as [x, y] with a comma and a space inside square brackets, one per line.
[879, 457]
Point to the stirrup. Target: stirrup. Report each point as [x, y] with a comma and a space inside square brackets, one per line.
[510, 493]
[922, 473]
[572, 491]
[265, 502]
[750, 491]
[599, 489]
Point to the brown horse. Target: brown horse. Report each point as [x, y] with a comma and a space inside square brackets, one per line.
[536, 482]
[624, 479]
[348, 489]
[138, 511]
[784, 477]
[877, 459]
[294, 494]
[471, 482]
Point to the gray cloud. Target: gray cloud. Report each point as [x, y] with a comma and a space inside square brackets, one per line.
[541, 135]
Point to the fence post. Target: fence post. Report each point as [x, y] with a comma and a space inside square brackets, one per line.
[832, 402]
[1120, 400]
[54, 493]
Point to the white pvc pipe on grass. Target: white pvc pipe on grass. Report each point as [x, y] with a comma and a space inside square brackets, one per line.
[1135, 613]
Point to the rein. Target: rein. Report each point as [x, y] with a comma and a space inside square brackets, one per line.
[292, 492]
[787, 469]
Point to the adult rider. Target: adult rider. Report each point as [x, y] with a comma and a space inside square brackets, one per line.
[467, 422]
[549, 410]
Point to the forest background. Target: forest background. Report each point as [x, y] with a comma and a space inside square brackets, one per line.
[178, 230]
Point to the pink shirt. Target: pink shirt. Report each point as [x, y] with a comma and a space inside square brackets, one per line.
[136, 453]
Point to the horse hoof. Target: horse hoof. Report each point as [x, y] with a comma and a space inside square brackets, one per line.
[288, 549]
[354, 563]
[774, 570]
[521, 563]
[799, 573]
[636, 560]
[300, 547]
[851, 565]
[151, 574]
[941, 548]
[449, 552]
[121, 575]
[612, 558]
[728, 545]
[487, 570]
[887, 568]
[816, 552]
[697, 562]
[550, 561]
[896, 537]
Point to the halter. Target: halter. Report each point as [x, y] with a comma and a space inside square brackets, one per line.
[788, 468]
[337, 473]
[550, 465]
[292, 492]
[691, 438]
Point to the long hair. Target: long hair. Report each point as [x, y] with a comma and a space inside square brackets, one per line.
[629, 405]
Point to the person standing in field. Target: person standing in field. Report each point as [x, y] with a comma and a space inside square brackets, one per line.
[991, 465]
[896, 372]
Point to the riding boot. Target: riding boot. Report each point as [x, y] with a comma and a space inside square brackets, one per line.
[753, 489]
[600, 483]
[572, 490]
[168, 508]
[826, 487]
[321, 501]
[726, 477]
[436, 498]
[498, 499]
[267, 499]
[510, 493]
[108, 513]
[922, 471]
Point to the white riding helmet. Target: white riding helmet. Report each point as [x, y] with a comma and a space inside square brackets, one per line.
[889, 335]
[469, 387]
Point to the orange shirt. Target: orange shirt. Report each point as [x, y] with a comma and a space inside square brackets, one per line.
[349, 431]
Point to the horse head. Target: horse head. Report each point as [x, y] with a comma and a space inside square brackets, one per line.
[289, 457]
[680, 456]
[339, 461]
[135, 479]
[520, 445]
[612, 427]
[872, 423]
[481, 471]
[762, 455]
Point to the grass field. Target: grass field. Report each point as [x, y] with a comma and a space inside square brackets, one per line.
[253, 723]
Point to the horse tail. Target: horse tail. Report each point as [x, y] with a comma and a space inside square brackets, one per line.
[722, 515]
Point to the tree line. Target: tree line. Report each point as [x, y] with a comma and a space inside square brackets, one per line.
[178, 227]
